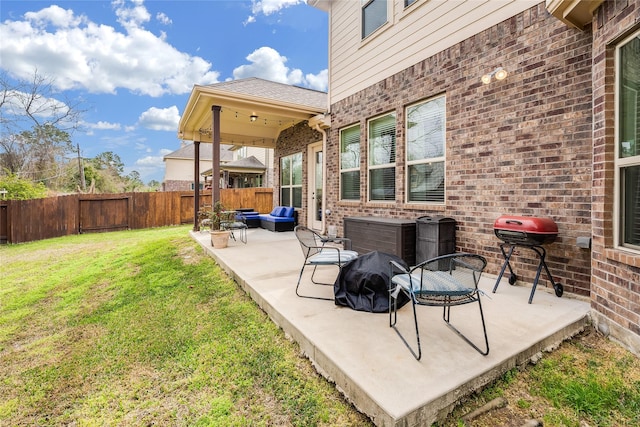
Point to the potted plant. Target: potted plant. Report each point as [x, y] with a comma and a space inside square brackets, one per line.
[218, 215]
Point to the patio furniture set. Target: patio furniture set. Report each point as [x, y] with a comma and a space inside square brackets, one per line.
[444, 281]
[281, 218]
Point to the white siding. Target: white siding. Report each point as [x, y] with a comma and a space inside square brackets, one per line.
[182, 169]
[411, 35]
[261, 154]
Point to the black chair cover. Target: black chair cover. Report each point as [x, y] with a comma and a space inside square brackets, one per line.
[363, 283]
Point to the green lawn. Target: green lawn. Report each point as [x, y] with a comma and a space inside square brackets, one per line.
[142, 328]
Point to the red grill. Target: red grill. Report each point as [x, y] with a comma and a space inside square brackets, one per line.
[525, 230]
[529, 232]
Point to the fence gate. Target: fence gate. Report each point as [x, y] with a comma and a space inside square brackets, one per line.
[104, 214]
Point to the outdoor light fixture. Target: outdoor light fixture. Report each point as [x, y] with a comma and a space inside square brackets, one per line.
[253, 117]
[499, 73]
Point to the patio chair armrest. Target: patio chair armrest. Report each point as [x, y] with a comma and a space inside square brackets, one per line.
[344, 241]
[395, 267]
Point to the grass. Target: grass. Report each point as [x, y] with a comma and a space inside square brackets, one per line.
[141, 328]
[588, 381]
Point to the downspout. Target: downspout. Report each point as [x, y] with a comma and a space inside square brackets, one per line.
[324, 175]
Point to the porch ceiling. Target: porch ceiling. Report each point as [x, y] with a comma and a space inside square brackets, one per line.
[238, 102]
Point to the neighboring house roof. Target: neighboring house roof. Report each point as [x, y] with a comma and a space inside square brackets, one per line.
[187, 152]
[246, 165]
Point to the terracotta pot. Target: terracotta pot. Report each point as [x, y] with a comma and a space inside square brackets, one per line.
[220, 238]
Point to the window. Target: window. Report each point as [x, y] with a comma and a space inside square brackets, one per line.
[291, 180]
[408, 2]
[350, 163]
[628, 143]
[382, 158]
[374, 15]
[425, 151]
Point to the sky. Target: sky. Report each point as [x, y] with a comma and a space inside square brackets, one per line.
[132, 64]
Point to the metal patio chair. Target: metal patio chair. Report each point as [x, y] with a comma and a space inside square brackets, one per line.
[316, 252]
[235, 223]
[444, 281]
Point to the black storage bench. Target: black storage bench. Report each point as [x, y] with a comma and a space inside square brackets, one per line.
[389, 235]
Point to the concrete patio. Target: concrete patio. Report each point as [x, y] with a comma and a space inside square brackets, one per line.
[366, 359]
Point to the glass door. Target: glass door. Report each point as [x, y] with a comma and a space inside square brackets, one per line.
[316, 186]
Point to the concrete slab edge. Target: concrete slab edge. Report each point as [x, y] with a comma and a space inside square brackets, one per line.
[438, 409]
[435, 410]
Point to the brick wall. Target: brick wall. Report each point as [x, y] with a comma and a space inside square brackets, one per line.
[290, 141]
[518, 146]
[176, 185]
[616, 274]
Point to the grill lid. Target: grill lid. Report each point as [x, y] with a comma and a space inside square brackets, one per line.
[529, 224]
[527, 230]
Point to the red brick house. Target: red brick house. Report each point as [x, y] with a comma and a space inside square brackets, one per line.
[415, 131]
[472, 110]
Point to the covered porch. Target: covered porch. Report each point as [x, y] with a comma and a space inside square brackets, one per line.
[248, 112]
[365, 358]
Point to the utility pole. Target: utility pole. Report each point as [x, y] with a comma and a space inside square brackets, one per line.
[83, 183]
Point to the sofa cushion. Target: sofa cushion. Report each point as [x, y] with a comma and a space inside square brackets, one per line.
[288, 212]
[273, 218]
[277, 211]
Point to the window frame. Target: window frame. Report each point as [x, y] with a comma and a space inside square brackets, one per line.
[356, 167]
[363, 5]
[291, 186]
[623, 163]
[425, 160]
[381, 166]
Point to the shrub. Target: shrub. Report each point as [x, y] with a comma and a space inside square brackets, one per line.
[21, 189]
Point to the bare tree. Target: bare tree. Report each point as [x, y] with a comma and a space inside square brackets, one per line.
[36, 127]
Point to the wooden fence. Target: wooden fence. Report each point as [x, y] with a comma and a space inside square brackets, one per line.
[37, 219]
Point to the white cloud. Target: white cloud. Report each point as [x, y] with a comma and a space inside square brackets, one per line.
[268, 64]
[54, 15]
[318, 81]
[79, 54]
[131, 17]
[149, 161]
[101, 125]
[17, 102]
[160, 118]
[268, 7]
[163, 18]
[149, 166]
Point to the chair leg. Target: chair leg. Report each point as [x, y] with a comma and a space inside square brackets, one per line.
[417, 354]
[320, 283]
[446, 316]
[300, 279]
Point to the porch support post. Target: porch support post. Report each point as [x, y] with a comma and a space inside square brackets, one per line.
[196, 185]
[215, 174]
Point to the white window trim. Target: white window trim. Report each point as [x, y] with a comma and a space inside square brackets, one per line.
[425, 161]
[619, 163]
[383, 166]
[291, 186]
[374, 33]
[354, 169]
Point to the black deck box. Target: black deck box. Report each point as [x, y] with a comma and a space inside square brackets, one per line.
[389, 235]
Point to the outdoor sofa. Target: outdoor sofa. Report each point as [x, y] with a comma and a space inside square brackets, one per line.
[281, 218]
